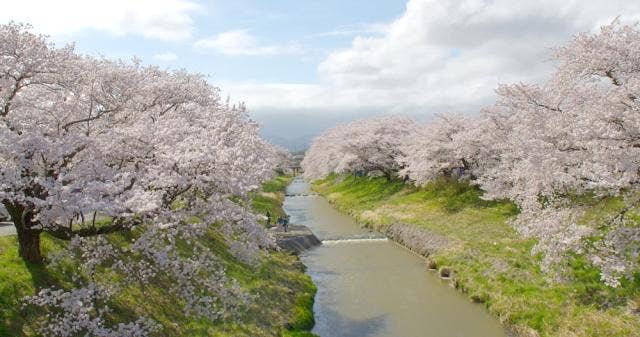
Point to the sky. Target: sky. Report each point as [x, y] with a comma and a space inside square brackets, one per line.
[301, 66]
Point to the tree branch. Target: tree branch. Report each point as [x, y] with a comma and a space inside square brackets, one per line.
[117, 225]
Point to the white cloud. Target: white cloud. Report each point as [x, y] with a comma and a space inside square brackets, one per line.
[241, 42]
[284, 96]
[444, 55]
[168, 20]
[166, 57]
[454, 53]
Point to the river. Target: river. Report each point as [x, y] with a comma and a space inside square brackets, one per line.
[370, 286]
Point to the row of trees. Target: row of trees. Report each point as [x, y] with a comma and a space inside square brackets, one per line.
[541, 146]
[91, 146]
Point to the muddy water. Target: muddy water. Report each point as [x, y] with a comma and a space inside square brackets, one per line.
[369, 286]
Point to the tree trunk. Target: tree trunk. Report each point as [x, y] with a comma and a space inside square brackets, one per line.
[28, 238]
[29, 245]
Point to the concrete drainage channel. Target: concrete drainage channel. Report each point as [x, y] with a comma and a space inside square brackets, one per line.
[371, 286]
[296, 239]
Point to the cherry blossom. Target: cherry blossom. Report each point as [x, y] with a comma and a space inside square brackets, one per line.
[432, 150]
[368, 146]
[543, 146]
[91, 146]
[575, 134]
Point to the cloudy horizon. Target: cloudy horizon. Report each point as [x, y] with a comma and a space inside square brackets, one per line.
[302, 67]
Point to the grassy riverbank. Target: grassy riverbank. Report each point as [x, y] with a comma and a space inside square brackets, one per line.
[282, 304]
[491, 262]
[270, 198]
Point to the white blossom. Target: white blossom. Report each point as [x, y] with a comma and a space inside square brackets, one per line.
[90, 146]
[541, 146]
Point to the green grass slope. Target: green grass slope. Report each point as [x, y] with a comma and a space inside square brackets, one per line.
[270, 198]
[491, 262]
[282, 305]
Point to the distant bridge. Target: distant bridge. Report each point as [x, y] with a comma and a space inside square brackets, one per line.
[294, 166]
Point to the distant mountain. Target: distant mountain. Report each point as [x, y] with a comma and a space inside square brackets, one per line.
[294, 130]
[293, 144]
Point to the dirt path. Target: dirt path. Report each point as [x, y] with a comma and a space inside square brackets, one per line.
[6, 228]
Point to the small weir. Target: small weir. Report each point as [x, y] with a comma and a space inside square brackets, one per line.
[370, 286]
[347, 241]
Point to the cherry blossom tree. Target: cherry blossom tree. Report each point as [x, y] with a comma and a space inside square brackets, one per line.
[576, 134]
[325, 153]
[94, 146]
[541, 146]
[435, 149]
[283, 158]
[369, 145]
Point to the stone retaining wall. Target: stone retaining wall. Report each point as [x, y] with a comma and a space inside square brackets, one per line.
[419, 240]
[296, 239]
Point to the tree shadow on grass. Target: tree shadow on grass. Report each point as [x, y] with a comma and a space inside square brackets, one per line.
[21, 279]
[17, 319]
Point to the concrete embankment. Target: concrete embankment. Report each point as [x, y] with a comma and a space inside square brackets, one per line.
[369, 286]
[420, 240]
[296, 239]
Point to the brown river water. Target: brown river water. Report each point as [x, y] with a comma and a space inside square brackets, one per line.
[370, 286]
